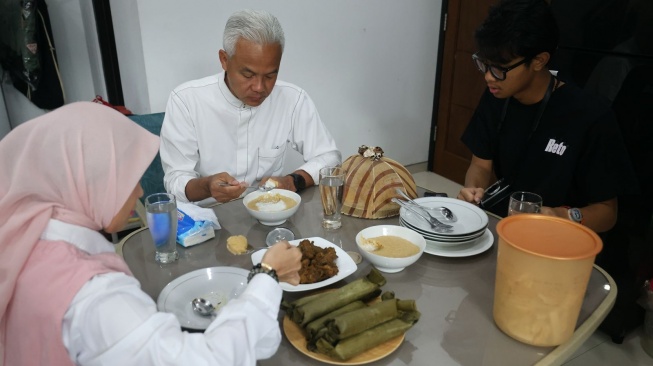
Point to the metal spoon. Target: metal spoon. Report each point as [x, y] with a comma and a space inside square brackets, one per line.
[203, 307]
[260, 188]
[436, 224]
[445, 212]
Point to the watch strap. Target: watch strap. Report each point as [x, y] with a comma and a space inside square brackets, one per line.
[298, 181]
[262, 268]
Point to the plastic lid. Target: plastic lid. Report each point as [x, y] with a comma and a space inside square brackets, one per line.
[548, 236]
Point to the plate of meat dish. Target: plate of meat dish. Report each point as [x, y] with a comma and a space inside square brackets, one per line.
[323, 263]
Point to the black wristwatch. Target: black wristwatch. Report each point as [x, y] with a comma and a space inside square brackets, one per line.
[262, 268]
[298, 181]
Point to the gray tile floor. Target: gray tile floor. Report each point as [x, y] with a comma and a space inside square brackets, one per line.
[599, 348]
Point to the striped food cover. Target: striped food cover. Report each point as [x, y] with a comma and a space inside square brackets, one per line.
[370, 184]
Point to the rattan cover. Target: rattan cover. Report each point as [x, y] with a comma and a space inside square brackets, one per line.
[370, 184]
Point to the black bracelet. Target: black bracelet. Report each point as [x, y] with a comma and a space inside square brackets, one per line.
[298, 181]
[262, 268]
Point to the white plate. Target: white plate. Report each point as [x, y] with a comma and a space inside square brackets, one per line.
[216, 284]
[479, 246]
[471, 219]
[444, 243]
[346, 265]
[434, 237]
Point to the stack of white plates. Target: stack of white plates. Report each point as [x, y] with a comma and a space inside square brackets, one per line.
[469, 234]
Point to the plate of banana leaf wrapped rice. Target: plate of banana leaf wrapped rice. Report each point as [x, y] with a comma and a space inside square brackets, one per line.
[355, 324]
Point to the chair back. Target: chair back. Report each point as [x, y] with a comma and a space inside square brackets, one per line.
[152, 181]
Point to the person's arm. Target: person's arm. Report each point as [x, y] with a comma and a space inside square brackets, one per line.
[287, 182]
[111, 321]
[599, 217]
[477, 179]
[178, 148]
[214, 186]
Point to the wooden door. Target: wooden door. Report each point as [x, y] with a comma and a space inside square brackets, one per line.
[461, 86]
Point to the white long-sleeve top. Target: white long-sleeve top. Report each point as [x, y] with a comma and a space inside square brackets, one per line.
[112, 322]
[207, 130]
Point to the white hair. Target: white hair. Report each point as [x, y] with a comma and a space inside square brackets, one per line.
[257, 26]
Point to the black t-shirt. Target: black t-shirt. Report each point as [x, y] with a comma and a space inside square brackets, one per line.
[575, 157]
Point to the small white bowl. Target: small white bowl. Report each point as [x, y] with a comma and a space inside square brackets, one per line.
[273, 218]
[387, 264]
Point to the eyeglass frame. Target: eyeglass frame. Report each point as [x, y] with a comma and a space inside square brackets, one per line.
[504, 70]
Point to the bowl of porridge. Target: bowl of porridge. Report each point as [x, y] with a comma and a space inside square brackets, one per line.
[272, 208]
[390, 248]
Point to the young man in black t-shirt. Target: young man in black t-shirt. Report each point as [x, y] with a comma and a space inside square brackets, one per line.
[536, 132]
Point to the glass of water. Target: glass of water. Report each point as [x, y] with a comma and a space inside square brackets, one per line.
[524, 202]
[332, 182]
[161, 209]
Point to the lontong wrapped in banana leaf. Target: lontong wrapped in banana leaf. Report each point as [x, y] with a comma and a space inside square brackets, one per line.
[352, 323]
[354, 345]
[313, 327]
[360, 289]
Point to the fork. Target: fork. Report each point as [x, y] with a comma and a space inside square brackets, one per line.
[436, 224]
[445, 212]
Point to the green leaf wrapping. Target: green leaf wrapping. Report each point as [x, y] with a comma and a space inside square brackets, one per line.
[354, 345]
[313, 327]
[357, 290]
[352, 323]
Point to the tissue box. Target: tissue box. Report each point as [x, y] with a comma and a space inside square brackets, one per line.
[191, 232]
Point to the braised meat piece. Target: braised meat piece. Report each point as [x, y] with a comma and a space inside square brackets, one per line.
[318, 264]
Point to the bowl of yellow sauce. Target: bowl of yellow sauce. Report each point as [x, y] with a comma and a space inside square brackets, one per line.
[390, 248]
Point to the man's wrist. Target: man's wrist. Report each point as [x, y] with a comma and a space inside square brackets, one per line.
[299, 181]
[575, 214]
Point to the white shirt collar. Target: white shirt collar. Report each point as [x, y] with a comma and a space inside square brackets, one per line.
[228, 95]
[81, 237]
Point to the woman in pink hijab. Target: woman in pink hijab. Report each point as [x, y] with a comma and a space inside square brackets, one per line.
[65, 297]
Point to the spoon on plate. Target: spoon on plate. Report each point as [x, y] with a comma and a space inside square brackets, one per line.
[445, 212]
[203, 307]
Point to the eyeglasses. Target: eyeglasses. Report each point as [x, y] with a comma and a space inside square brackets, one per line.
[498, 72]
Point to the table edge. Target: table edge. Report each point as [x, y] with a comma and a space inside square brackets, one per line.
[122, 242]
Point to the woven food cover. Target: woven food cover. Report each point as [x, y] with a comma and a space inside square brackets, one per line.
[370, 184]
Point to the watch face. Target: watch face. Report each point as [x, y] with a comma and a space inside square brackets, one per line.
[575, 214]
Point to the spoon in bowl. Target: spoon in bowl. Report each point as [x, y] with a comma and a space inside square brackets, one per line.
[203, 307]
[445, 212]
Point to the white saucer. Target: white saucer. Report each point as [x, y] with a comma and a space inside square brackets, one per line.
[465, 250]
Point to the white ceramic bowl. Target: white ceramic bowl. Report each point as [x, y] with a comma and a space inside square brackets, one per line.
[387, 264]
[273, 218]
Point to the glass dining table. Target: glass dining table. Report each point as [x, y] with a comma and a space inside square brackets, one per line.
[454, 294]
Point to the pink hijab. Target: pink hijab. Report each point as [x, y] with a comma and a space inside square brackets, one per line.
[77, 164]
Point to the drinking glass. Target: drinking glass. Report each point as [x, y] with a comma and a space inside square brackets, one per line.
[332, 181]
[524, 202]
[161, 209]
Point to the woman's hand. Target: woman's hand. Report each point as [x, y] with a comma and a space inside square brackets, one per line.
[285, 259]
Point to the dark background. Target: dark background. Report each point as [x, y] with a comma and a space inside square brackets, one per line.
[606, 47]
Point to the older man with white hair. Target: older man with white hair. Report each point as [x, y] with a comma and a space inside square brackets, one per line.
[226, 131]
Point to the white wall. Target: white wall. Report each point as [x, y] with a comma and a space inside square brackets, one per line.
[369, 65]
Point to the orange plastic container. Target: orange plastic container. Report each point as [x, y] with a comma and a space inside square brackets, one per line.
[543, 267]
